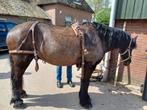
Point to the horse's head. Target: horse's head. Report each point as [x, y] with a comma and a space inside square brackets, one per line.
[126, 52]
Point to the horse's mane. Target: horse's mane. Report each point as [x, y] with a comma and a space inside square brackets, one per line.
[114, 37]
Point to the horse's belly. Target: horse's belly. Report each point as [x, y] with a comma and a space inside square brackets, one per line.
[61, 60]
[60, 56]
[60, 50]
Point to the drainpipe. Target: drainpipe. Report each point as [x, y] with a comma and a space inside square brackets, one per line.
[107, 55]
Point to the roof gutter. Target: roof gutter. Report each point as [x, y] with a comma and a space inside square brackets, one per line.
[107, 55]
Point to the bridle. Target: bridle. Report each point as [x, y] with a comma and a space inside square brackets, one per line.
[127, 50]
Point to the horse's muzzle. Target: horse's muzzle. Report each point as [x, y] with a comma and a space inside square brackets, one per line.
[126, 63]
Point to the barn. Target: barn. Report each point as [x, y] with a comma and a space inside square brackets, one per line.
[19, 11]
[132, 14]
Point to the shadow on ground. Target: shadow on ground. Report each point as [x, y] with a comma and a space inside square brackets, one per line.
[7, 75]
[103, 100]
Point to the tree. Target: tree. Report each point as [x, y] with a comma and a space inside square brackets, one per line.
[103, 16]
[101, 9]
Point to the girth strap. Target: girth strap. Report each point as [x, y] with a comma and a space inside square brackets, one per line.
[83, 52]
[79, 33]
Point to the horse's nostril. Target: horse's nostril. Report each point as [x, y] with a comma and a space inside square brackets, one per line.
[127, 63]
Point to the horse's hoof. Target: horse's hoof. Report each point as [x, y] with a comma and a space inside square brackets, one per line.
[23, 94]
[85, 101]
[18, 103]
[86, 105]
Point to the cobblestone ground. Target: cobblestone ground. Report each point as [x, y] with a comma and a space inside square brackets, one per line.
[44, 95]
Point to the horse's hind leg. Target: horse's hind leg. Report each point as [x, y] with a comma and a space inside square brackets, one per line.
[84, 97]
[19, 64]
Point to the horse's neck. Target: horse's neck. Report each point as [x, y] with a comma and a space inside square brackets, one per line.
[114, 41]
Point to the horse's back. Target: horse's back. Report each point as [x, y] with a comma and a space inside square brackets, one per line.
[64, 31]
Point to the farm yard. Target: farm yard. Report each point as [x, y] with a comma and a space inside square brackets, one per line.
[44, 95]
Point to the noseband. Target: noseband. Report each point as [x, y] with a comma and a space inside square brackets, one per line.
[127, 50]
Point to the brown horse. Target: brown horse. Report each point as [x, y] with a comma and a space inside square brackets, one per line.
[60, 46]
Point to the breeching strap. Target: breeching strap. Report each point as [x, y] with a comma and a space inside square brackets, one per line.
[35, 50]
[26, 52]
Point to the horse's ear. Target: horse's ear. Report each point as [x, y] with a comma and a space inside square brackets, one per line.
[134, 40]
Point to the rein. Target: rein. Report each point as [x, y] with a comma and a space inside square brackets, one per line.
[127, 50]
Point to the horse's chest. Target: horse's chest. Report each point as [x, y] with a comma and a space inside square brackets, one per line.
[94, 52]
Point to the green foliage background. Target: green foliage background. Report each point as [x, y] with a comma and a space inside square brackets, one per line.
[103, 16]
[101, 9]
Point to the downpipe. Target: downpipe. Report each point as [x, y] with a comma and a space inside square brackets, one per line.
[107, 55]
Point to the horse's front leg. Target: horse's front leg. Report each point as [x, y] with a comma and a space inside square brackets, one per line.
[84, 97]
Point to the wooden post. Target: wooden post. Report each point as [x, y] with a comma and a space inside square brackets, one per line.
[144, 95]
[128, 67]
[119, 59]
[129, 74]
[117, 70]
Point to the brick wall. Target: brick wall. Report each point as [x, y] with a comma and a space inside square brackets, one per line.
[58, 12]
[139, 63]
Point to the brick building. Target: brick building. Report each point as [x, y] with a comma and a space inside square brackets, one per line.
[64, 12]
[133, 13]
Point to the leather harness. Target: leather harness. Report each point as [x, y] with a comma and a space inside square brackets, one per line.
[34, 52]
[76, 28]
[79, 33]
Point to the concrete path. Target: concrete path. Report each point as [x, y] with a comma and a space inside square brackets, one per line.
[44, 95]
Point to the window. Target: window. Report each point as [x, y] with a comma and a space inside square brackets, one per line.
[84, 20]
[68, 21]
